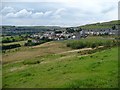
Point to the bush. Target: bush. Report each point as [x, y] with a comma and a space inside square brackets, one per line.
[5, 47]
[30, 43]
[12, 39]
[29, 62]
[93, 45]
[78, 44]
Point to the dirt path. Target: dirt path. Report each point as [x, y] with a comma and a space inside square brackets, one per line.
[31, 52]
[71, 51]
[45, 62]
[50, 61]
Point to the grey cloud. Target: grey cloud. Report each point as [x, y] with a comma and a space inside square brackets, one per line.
[6, 10]
[25, 13]
[106, 10]
[58, 13]
[20, 14]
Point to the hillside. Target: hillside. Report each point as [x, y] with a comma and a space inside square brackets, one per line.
[54, 65]
[14, 30]
[104, 25]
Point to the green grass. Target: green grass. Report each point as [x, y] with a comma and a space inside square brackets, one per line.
[97, 70]
[19, 42]
[0, 75]
[91, 42]
[104, 25]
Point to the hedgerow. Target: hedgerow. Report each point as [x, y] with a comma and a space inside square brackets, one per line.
[78, 44]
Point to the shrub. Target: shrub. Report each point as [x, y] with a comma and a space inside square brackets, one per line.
[29, 62]
[78, 44]
[5, 47]
[93, 45]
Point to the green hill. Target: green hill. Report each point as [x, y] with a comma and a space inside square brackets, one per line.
[54, 65]
[104, 25]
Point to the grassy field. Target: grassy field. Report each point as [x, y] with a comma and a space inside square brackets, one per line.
[91, 42]
[19, 42]
[53, 65]
[34, 51]
[104, 25]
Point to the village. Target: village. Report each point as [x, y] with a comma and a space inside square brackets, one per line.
[72, 33]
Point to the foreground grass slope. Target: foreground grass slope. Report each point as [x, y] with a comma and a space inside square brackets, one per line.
[34, 51]
[62, 67]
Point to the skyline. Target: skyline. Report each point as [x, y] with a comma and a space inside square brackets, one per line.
[57, 13]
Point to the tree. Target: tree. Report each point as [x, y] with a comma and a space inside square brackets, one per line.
[70, 30]
[29, 41]
[93, 45]
[114, 27]
[58, 32]
[78, 30]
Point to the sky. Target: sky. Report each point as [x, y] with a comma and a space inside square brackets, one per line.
[57, 12]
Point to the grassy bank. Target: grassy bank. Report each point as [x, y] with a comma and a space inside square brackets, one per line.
[97, 70]
[91, 43]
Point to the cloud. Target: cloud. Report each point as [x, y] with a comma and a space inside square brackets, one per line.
[59, 11]
[21, 13]
[25, 14]
[6, 10]
[108, 9]
[72, 13]
[11, 15]
[47, 13]
[37, 15]
[58, 0]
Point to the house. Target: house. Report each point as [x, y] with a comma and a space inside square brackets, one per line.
[35, 41]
